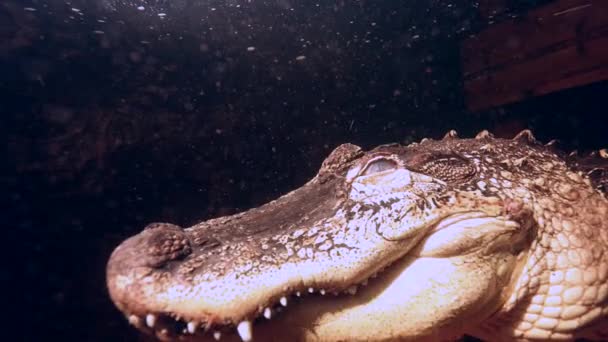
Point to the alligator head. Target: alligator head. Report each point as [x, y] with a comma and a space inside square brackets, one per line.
[497, 238]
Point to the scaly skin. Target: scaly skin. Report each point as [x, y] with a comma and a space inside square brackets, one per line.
[500, 239]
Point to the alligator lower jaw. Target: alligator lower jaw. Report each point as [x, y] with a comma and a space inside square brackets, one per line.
[297, 315]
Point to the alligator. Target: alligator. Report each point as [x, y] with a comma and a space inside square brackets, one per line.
[500, 239]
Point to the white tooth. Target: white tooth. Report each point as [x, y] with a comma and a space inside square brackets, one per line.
[244, 330]
[217, 335]
[364, 283]
[352, 290]
[134, 320]
[298, 293]
[267, 313]
[283, 301]
[322, 292]
[150, 320]
[311, 290]
[191, 327]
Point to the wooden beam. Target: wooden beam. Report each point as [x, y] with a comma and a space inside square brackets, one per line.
[561, 45]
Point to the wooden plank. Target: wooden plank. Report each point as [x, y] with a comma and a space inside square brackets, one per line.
[494, 36]
[589, 76]
[568, 67]
[516, 40]
[548, 66]
[563, 44]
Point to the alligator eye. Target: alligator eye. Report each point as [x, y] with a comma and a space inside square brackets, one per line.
[378, 166]
[447, 168]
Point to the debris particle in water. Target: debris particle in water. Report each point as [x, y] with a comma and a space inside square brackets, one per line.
[29, 9]
[141, 8]
[300, 58]
[251, 48]
[162, 15]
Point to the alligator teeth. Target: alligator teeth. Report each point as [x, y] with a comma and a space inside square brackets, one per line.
[283, 301]
[217, 335]
[322, 292]
[150, 320]
[352, 290]
[364, 283]
[298, 293]
[244, 330]
[135, 320]
[311, 290]
[191, 327]
[267, 313]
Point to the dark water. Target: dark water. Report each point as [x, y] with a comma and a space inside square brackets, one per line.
[114, 116]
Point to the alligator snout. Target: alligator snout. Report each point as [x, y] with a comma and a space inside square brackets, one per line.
[155, 246]
[135, 264]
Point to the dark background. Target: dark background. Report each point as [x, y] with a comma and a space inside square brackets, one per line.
[112, 117]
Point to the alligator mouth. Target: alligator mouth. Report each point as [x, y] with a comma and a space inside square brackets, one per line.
[296, 312]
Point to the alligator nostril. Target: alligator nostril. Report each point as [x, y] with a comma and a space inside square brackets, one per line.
[164, 242]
